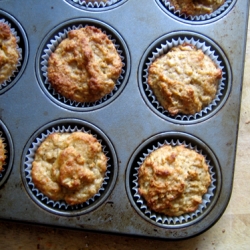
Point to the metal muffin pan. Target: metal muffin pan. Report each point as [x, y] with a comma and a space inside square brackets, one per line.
[127, 122]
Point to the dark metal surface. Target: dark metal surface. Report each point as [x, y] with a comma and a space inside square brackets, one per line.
[127, 119]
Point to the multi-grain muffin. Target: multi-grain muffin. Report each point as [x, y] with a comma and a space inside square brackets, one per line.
[173, 179]
[85, 66]
[2, 155]
[9, 54]
[184, 80]
[69, 167]
[196, 7]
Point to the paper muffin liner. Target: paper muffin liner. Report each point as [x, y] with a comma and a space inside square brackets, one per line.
[18, 65]
[50, 48]
[207, 50]
[205, 17]
[96, 4]
[29, 158]
[162, 219]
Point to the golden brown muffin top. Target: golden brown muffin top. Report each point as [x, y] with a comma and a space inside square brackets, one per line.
[173, 180]
[184, 80]
[8, 52]
[69, 166]
[196, 7]
[85, 66]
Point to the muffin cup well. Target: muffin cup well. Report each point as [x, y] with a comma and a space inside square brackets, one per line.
[173, 139]
[61, 207]
[197, 18]
[51, 42]
[162, 46]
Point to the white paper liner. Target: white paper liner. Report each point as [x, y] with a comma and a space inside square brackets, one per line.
[173, 220]
[30, 158]
[95, 4]
[50, 48]
[10, 79]
[214, 14]
[208, 50]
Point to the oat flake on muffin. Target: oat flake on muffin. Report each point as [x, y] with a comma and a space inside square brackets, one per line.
[85, 66]
[184, 80]
[69, 167]
[196, 7]
[9, 54]
[173, 179]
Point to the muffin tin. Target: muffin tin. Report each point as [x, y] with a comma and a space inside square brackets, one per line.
[129, 122]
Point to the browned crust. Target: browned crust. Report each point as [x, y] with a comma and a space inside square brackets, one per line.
[173, 180]
[196, 7]
[85, 66]
[184, 80]
[8, 52]
[69, 166]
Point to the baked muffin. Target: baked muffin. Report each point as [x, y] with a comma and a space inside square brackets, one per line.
[173, 180]
[85, 66]
[8, 52]
[69, 167]
[184, 80]
[2, 155]
[196, 7]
